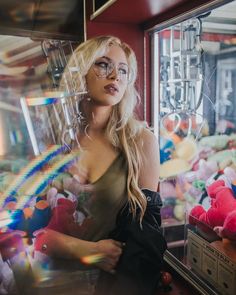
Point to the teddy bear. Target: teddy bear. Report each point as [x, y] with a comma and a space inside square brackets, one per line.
[219, 218]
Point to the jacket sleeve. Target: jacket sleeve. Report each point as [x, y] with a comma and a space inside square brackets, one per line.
[138, 270]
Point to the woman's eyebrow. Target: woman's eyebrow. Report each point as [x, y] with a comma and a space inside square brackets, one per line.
[106, 57]
[109, 59]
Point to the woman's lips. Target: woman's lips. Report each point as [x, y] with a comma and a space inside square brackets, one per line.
[111, 89]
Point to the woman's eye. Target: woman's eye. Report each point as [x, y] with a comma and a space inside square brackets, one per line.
[123, 71]
[102, 64]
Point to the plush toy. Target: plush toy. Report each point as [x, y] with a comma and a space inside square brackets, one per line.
[30, 219]
[197, 180]
[174, 167]
[186, 149]
[11, 244]
[61, 220]
[167, 189]
[225, 127]
[64, 219]
[224, 158]
[206, 169]
[228, 230]
[217, 142]
[180, 159]
[218, 215]
[166, 149]
[222, 203]
[12, 250]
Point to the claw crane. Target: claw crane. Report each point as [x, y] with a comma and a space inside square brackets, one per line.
[181, 75]
[56, 53]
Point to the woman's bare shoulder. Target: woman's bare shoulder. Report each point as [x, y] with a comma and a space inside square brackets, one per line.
[147, 140]
[150, 166]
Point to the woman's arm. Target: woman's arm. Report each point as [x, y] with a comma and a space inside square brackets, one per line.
[150, 166]
[53, 243]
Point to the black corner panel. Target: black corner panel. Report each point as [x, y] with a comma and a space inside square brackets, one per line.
[43, 18]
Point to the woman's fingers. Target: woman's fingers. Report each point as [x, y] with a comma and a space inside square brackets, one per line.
[117, 243]
[109, 247]
[112, 250]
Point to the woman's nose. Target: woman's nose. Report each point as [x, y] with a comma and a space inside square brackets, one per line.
[114, 74]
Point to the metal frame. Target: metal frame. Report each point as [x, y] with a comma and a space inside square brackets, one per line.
[101, 9]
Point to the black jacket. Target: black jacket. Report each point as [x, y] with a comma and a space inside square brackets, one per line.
[138, 270]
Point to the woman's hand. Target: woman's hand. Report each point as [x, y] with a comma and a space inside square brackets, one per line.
[111, 250]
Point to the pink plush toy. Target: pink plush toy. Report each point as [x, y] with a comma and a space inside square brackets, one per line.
[218, 215]
[202, 171]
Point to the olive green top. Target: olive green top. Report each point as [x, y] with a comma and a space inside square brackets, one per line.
[102, 205]
[97, 217]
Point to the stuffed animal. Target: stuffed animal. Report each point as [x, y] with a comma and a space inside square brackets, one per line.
[11, 244]
[29, 219]
[166, 149]
[228, 230]
[179, 161]
[65, 219]
[197, 179]
[12, 251]
[62, 220]
[217, 142]
[223, 204]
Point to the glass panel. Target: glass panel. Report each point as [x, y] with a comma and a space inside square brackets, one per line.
[30, 156]
[196, 91]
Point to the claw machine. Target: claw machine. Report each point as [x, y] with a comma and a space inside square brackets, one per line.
[36, 40]
[194, 82]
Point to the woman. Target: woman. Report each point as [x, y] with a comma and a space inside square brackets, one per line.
[119, 157]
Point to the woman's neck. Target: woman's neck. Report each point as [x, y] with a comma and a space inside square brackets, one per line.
[96, 117]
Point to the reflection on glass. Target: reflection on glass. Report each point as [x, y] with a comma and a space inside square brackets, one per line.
[31, 159]
[197, 133]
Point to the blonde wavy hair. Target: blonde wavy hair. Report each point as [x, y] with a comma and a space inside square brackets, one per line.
[123, 128]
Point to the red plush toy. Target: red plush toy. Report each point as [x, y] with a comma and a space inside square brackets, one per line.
[228, 230]
[63, 220]
[221, 216]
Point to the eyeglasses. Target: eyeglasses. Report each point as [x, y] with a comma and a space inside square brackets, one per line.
[104, 67]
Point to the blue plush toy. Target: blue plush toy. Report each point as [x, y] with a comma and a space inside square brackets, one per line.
[166, 148]
[31, 219]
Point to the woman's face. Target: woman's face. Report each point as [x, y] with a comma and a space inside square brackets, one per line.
[107, 79]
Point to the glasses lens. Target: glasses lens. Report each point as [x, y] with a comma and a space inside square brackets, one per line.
[105, 68]
[101, 69]
[123, 72]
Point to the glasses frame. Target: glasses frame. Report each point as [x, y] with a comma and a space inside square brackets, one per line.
[98, 70]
